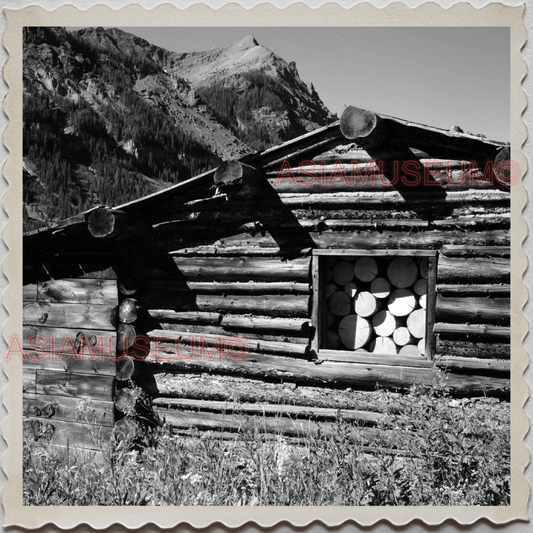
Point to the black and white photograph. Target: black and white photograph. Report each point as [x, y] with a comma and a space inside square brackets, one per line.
[266, 266]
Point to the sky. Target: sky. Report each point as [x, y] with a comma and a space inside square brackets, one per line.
[441, 77]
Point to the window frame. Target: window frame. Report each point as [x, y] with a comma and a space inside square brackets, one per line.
[318, 280]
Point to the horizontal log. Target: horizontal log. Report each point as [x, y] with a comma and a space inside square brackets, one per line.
[374, 222]
[91, 343]
[228, 388]
[473, 310]
[272, 335]
[391, 239]
[50, 407]
[441, 143]
[167, 340]
[244, 269]
[353, 375]
[267, 409]
[289, 325]
[388, 199]
[70, 315]
[371, 359]
[480, 270]
[234, 422]
[73, 385]
[480, 350]
[371, 177]
[236, 251]
[282, 305]
[105, 366]
[249, 287]
[475, 251]
[186, 317]
[362, 156]
[225, 236]
[495, 333]
[73, 435]
[252, 219]
[500, 290]
[89, 291]
[475, 366]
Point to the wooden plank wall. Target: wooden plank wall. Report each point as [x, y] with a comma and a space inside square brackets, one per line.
[243, 268]
[69, 339]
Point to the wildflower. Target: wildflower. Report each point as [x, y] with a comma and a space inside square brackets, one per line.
[196, 478]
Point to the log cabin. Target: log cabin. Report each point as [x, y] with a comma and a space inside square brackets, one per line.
[374, 252]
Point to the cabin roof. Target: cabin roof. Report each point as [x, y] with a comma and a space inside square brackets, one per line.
[434, 142]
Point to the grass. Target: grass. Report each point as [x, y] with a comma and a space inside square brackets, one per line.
[433, 450]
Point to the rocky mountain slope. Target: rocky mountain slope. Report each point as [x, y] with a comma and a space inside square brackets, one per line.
[109, 117]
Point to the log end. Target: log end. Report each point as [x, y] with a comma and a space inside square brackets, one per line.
[362, 126]
[101, 223]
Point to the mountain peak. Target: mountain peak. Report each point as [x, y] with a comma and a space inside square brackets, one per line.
[246, 42]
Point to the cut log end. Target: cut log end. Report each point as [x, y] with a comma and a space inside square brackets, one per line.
[340, 303]
[357, 123]
[354, 331]
[365, 269]
[383, 345]
[102, 223]
[343, 273]
[402, 302]
[365, 304]
[384, 323]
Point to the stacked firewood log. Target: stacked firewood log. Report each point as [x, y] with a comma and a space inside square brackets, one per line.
[376, 304]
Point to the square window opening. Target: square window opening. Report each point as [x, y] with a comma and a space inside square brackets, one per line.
[379, 302]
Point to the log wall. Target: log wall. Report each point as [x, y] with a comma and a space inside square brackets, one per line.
[222, 288]
[244, 269]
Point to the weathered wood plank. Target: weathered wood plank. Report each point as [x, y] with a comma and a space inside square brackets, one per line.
[105, 366]
[29, 378]
[92, 343]
[473, 310]
[495, 333]
[87, 316]
[164, 342]
[59, 432]
[29, 292]
[267, 409]
[90, 291]
[482, 270]
[50, 408]
[500, 290]
[244, 269]
[74, 385]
